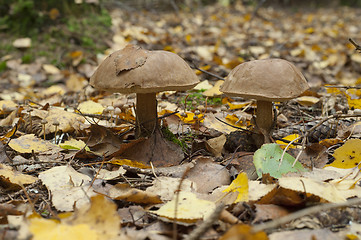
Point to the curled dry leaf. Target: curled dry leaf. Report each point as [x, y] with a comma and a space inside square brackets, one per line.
[130, 57]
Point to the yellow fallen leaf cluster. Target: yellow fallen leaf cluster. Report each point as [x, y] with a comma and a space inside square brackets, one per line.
[97, 220]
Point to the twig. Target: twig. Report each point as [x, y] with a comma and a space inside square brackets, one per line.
[358, 47]
[206, 72]
[285, 150]
[207, 224]
[307, 211]
[342, 86]
[242, 129]
[18, 193]
[175, 231]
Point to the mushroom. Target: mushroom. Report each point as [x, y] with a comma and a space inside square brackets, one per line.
[135, 70]
[266, 81]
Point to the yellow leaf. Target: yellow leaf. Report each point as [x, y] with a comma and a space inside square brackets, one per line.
[206, 68]
[348, 155]
[288, 138]
[68, 121]
[240, 185]
[324, 190]
[122, 191]
[238, 105]
[131, 163]
[307, 100]
[243, 231]
[43, 229]
[333, 90]
[353, 98]
[189, 209]
[6, 104]
[76, 54]
[99, 220]
[55, 89]
[51, 69]
[29, 143]
[190, 118]
[247, 17]
[309, 30]
[54, 13]
[188, 38]
[75, 82]
[214, 91]
[211, 122]
[90, 107]
[234, 120]
[74, 144]
[101, 216]
[15, 177]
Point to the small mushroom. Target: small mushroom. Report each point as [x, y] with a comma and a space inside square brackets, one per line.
[135, 70]
[266, 81]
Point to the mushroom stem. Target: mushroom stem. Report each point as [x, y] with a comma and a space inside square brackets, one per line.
[146, 111]
[264, 118]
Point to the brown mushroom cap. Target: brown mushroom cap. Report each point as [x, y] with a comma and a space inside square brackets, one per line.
[158, 71]
[268, 80]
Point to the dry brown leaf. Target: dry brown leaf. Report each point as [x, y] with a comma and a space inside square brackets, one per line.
[130, 57]
[208, 175]
[124, 192]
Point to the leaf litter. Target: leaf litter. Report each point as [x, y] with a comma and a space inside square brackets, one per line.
[65, 141]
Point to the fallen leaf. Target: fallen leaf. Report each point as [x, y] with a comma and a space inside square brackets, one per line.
[240, 185]
[51, 69]
[28, 143]
[324, 190]
[348, 155]
[215, 145]
[189, 208]
[12, 179]
[208, 175]
[129, 58]
[214, 91]
[243, 232]
[166, 187]
[267, 160]
[68, 187]
[74, 144]
[124, 192]
[22, 43]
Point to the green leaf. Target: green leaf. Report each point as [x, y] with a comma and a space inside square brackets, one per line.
[74, 145]
[267, 160]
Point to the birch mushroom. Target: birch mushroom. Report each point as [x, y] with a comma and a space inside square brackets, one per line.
[135, 70]
[267, 81]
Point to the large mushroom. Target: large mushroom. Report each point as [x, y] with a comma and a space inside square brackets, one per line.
[267, 81]
[135, 70]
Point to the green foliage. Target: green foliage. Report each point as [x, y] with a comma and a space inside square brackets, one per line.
[27, 58]
[74, 27]
[2, 66]
[171, 137]
[199, 99]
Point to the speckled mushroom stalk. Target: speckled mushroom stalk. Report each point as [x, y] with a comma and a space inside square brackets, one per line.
[264, 118]
[146, 114]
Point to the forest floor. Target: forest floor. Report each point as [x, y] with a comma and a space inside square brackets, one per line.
[70, 163]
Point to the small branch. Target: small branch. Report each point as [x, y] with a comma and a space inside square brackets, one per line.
[308, 211]
[242, 129]
[358, 47]
[199, 231]
[206, 72]
[341, 86]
